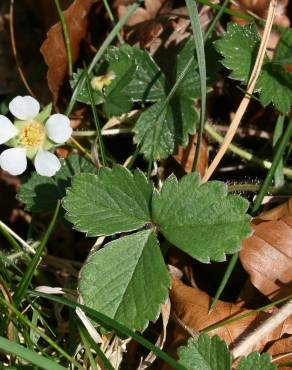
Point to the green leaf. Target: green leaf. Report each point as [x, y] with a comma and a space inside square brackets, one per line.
[148, 82]
[83, 96]
[255, 361]
[275, 85]
[110, 202]
[239, 46]
[159, 134]
[205, 353]
[40, 193]
[201, 219]
[123, 67]
[127, 280]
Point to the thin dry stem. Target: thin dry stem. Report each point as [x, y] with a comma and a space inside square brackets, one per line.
[246, 346]
[14, 50]
[250, 87]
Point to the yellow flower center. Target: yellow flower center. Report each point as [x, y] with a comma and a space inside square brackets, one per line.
[32, 134]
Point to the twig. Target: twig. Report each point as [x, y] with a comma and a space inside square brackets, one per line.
[250, 87]
[244, 347]
[14, 50]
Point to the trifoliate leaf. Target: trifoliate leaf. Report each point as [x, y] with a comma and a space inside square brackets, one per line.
[40, 193]
[110, 202]
[205, 353]
[201, 219]
[126, 280]
[159, 131]
[255, 361]
[239, 46]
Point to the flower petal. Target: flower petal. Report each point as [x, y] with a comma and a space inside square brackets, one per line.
[7, 129]
[46, 163]
[24, 107]
[58, 128]
[14, 161]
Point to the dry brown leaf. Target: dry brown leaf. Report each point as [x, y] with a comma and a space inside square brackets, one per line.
[276, 213]
[53, 48]
[185, 156]
[191, 306]
[267, 257]
[281, 350]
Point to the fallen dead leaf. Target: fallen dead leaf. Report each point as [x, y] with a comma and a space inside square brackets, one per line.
[281, 350]
[267, 255]
[53, 48]
[190, 306]
[185, 156]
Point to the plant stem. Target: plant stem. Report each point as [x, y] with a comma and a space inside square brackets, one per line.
[245, 347]
[216, 19]
[200, 52]
[276, 160]
[241, 152]
[96, 120]
[22, 287]
[225, 279]
[112, 19]
[278, 132]
[66, 37]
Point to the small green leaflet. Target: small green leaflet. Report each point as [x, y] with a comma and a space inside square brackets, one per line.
[40, 193]
[205, 353]
[255, 361]
[239, 47]
[112, 202]
[211, 353]
[160, 130]
[201, 219]
[127, 280]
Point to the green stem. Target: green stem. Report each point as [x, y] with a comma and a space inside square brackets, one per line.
[96, 120]
[216, 19]
[241, 152]
[112, 19]
[276, 160]
[251, 188]
[200, 52]
[278, 132]
[149, 170]
[108, 322]
[225, 279]
[25, 321]
[66, 37]
[22, 287]
[100, 53]
[244, 315]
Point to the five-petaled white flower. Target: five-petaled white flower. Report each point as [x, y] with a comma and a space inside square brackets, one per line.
[32, 135]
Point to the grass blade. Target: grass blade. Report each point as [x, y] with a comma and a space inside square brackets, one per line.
[199, 43]
[108, 322]
[25, 281]
[28, 355]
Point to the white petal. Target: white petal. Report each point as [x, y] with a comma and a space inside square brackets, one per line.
[7, 129]
[24, 107]
[58, 128]
[13, 161]
[46, 163]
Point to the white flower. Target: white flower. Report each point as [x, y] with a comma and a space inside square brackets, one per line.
[32, 134]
